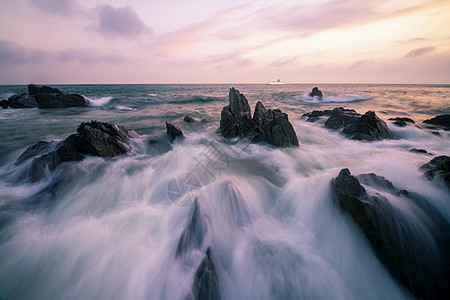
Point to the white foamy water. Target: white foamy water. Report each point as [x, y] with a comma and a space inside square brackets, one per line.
[98, 101]
[332, 98]
[110, 228]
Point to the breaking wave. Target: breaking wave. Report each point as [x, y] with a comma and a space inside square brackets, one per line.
[333, 98]
[98, 101]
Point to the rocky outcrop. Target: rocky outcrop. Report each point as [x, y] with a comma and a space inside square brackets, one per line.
[271, 126]
[438, 167]
[44, 97]
[441, 121]
[173, 131]
[206, 281]
[414, 243]
[402, 121]
[92, 138]
[316, 92]
[192, 235]
[367, 127]
[188, 119]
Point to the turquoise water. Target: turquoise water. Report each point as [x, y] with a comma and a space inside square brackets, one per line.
[109, 228]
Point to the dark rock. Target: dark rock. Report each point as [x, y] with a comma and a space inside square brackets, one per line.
[34, 89]
[56, 100]
[442, 120]
[22, 101]
[278, 131]
[4, 104]
[419, 151]
[32, 151]
[438, 167]
[192, 235]
[271, 126]
[188, 119]
[206, 281]
[366, 127]
[236, 120]
[413, 243]
[401, 121]
[173, 131]
[316, 92]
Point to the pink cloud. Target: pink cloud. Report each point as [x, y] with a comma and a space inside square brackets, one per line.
[419, 51]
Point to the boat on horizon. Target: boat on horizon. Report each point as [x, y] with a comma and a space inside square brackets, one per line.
[278, 81]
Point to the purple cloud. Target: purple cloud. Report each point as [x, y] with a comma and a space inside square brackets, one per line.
[419, 51]
[283, 62]
[11, 53]
[122, 22]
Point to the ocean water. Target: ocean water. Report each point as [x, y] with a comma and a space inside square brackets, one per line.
[109, 228]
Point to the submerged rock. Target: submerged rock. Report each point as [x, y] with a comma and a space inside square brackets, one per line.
[206, 281]
[316, 92]
[414, 244]
[438, 167]
[442, 120]
[44, 97]
[192, 235]
[419, 151]
[188, 119]
[271, 126]
[367, 127]
[402, 121]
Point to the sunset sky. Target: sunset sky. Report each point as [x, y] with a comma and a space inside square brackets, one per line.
[201, 41]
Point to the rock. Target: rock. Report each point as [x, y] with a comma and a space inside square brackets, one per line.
[206, 281]
[419, 151]
[366, 127]
[438, 167]
[173, 131]
[316, 92]
[442, 120]
[4, 104]
[188, 119]
[411, 239]
[32, 151]
[271, 126]
[22, 101]
[402, 121]
[278, 131]
[192, 235]
[236, 120]
[44, 97]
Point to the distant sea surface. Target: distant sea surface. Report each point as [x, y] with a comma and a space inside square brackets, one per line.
[112, 231]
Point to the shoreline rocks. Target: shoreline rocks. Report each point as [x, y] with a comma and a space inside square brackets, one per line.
[367, 127]
[402, 121]
[271, 126]
[441, 121]
[414, 245]
[438, 167]
[43, 97]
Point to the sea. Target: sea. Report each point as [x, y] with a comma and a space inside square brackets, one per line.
[109, 228]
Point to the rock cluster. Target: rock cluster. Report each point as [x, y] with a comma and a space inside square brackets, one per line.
[402, 121]
[367, 127]
[271, 126]
[396, 235]
[43, 97]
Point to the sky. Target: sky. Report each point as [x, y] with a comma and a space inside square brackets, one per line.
[204, 41]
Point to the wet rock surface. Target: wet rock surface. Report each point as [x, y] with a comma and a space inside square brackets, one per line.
[402, 121]
[441, 121]
[438, 167]
[206, 281]
[414, 246]
[316, 92]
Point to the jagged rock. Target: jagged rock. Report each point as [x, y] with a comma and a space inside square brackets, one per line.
[173, 131]
[438, 167]
[402, 121]
[278, 131]
[188, 119]
[192, 235]
[206, 281]
[442, 120]
[316, 92]
[236, 120]
[271, 126]
[414, 243]
[355, 126]
[34, 89]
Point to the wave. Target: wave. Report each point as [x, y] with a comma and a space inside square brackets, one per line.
[333, 98]
[123, 107]
[98, 101]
